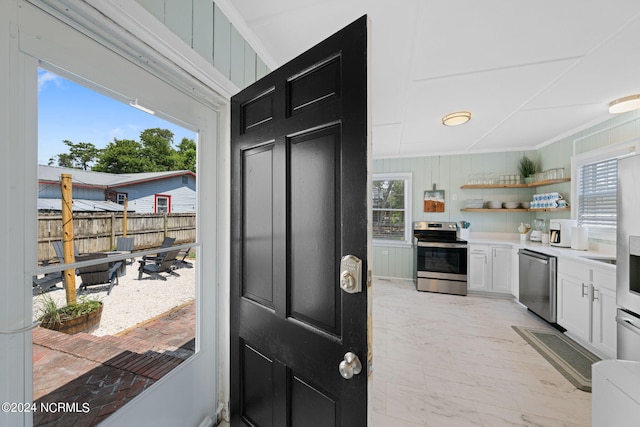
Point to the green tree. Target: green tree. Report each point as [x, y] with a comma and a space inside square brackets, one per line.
[123, 156]
[154, 153]
[81, 155]
[157, 148]
[187, 154]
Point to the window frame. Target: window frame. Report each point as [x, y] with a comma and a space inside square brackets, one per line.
[121, 197]
[408, 230]
[603, 154]
[158, 197]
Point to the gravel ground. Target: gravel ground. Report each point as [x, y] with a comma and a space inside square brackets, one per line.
[134, 301]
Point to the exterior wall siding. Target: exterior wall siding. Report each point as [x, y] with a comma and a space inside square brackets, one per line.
[202, 25]
[142, 196]
[49, 191]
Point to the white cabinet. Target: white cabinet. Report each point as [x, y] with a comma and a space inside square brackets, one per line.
[501, 262]
[604, 332]
[573, 301]
[478, 270]
[490, 268]
[587, 305]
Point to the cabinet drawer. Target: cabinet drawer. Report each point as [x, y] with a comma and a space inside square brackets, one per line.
[575, 269]
[479, 249]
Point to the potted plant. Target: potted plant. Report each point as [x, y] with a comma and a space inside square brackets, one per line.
[72, 318]
[528, 169]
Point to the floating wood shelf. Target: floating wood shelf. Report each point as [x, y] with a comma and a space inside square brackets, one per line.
[549, 209]
[533, 184]
[494, 210]
[514, 210]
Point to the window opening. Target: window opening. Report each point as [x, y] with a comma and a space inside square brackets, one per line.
[391, 198]
[147, 299]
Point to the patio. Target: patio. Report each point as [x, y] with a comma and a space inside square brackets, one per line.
[147, 329]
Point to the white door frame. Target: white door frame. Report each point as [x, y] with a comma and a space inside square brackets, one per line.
[190, 393]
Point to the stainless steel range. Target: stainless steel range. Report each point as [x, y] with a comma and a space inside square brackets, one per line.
[440, 258]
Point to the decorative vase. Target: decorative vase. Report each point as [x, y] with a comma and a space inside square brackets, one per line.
[523, 237]
[530, 179]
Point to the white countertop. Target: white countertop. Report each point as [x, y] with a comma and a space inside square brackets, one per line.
[513, 239]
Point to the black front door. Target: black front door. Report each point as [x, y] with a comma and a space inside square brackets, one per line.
[299, 204]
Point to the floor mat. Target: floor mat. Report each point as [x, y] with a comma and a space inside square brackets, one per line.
[569, 358]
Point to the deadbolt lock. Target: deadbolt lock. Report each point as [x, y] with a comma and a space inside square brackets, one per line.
[351, 274]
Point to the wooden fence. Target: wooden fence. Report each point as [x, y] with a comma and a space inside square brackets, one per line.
[97, 232]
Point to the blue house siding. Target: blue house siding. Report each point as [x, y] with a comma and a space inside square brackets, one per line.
[52, 191]
[140, 188]
[142, 196]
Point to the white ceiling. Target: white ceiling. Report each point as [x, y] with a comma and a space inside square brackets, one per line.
[529, 71]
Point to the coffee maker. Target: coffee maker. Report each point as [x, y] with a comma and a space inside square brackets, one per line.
[539, 228]
[560, 232]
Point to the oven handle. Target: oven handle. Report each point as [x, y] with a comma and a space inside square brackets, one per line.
[441, 245]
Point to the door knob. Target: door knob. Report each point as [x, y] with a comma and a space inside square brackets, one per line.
[350, 366]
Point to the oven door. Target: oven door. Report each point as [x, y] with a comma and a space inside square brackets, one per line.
[442, 260]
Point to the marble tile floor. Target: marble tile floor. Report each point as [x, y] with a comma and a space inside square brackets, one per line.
[447, 360]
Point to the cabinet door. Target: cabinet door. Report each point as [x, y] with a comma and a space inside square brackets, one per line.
[478, 276]
[604, 331]
[501, 269]
[574, 306]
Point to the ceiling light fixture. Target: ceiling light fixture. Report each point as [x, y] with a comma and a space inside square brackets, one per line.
[622, 105]
[457, 118]
[134, 104]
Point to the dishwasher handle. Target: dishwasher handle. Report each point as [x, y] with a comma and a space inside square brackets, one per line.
[630, 322]
[534, 256]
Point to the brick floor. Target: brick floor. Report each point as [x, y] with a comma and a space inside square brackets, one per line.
[106, 372]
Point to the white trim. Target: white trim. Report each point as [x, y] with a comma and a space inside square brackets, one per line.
[163, 52]
[238, 21]
[619, 150]
[43, 36]
[407, 177]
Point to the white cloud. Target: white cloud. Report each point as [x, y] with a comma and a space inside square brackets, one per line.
[45, 77]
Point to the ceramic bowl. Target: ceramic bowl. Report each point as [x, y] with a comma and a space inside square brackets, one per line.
[510, 205]
[494, 204]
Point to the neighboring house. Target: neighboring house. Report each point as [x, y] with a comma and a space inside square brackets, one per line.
[147, 192]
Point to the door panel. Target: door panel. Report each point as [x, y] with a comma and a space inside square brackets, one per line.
[258, 224]
[258, 387]
[299, 178]
[319, 84]
[311, 406]
[315, 193]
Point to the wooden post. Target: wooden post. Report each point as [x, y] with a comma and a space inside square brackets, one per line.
[67, 237]
[124, 217]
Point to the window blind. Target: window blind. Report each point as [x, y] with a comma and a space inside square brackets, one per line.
[597, 194]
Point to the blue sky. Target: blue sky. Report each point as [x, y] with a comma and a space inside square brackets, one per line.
[67, 110]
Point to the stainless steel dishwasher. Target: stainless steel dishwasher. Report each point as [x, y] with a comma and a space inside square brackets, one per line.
[538, 283]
